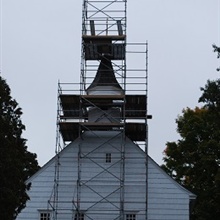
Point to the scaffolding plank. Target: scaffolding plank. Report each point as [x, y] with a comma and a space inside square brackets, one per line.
[70, 130]
[92, 27]
[135, 106]
[69, 104]
[120, 31]
[112, 97]
[89, 38]
[101, 124]
[136, 131]
[95, 50]
[103, 100]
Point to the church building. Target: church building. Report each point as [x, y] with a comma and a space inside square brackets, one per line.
[102, 169]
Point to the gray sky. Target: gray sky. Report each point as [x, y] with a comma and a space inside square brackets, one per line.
[41, 44]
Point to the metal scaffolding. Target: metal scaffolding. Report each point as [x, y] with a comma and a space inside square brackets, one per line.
[104, 49]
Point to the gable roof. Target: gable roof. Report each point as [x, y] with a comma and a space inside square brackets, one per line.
[191, 195]
[138, 148]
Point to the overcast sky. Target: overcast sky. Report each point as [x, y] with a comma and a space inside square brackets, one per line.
[41, 44]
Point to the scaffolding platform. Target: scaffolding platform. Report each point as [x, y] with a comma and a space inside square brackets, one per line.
[71, 130]
[75, 107]
[135, 105]
[95, 46]
[106, 38]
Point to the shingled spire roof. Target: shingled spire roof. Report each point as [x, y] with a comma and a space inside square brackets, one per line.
[105, 79]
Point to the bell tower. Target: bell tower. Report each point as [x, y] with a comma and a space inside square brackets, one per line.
[108, 106]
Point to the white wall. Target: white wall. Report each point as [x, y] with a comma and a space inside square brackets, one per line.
[100, 188]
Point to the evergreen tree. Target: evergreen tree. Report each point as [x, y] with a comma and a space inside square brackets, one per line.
[17, 164]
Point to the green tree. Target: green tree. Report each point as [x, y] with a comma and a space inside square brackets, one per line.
[194, 160]
[17, 164]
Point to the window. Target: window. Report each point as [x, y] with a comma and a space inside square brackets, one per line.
[45, 215]
[79, 216]
[131, 217]
[108, 158]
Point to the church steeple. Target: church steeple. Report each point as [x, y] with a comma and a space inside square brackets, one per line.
[102, 116]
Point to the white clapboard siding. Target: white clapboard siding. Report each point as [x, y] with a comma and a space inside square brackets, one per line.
[166, 198]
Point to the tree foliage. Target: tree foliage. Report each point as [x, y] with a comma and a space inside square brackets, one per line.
[194, 160]
[17, 164]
